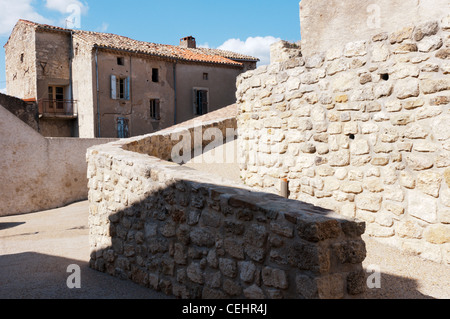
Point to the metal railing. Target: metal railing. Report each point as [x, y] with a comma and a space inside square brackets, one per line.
[58, 108]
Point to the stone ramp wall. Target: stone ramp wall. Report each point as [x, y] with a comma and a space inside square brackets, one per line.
[362, 129]
[195, 235]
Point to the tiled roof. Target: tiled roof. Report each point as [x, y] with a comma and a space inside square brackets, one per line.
[117, 42]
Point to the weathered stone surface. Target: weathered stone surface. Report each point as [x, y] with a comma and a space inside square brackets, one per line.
[369, 202]
[430, 44]
[437, 234]
[195, 273]
[407, 88]
[273, 277]
[409, 229]
[425, 29]
[247, 271]
[401, 35]
[339, 158]
[423, 207]
[447, 176]
[434, 86]
[254, 292]
[357, 249]
[419, 162]
[429, 183]
[228, 267]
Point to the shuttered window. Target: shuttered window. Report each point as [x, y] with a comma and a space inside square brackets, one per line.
[123, 128]
[155, 111]
[120, 88]
[200, 101]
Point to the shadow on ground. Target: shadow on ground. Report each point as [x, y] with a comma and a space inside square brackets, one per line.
[38, 276]
[4, 226]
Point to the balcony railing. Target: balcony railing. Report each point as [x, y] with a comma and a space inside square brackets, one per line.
[58, 108]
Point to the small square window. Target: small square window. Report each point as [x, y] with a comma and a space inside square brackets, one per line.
[120, 61]
[205, 76]
[155, 75]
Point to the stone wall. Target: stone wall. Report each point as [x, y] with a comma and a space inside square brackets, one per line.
[39, 173]
[195, 235]
[362, 129]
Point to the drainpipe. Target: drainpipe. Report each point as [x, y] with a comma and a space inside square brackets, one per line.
[98, 92]
[175, 91]
[74, 129]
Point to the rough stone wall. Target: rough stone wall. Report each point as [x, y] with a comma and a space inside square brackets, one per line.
[194, 235]
[20, 63]
[362, 129]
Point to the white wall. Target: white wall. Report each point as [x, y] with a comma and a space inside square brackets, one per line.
[38, 173]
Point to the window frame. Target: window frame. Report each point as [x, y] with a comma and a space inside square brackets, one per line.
[196, 107]
[155, 109]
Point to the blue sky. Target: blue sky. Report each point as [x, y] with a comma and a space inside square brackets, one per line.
[246, 26]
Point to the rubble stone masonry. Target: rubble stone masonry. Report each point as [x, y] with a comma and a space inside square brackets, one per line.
[195, 235]
[363, 130]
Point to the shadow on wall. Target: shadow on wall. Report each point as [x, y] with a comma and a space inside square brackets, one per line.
[204, 241]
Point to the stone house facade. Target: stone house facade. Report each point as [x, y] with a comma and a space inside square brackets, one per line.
[91, 84]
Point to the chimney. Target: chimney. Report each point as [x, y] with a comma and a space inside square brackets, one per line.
[188, 42]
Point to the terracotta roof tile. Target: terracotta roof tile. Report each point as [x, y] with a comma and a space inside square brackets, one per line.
[117, 42]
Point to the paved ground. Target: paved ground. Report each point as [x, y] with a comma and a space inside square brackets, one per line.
[36, 249]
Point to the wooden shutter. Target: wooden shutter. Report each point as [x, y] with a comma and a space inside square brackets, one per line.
[113, 87]
[204, 102]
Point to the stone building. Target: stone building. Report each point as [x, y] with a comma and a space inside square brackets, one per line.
[91, 84]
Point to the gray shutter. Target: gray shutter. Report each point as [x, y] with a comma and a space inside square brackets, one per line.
[113, 87]
[127, 88]
[204, 106]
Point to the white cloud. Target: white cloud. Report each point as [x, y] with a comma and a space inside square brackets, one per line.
[3, 91]
[67, 6]
[12, 11]
[255, 46]
[103, 28]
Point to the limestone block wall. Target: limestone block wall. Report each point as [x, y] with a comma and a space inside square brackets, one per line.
[362, 129]
[195, 235]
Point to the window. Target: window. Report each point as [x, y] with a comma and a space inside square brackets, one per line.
[201, 97]
[120, 88]
[155, 109]
[155, 75]
[123, 128]
[56, 97]
[120, 61]
[22, 57]
[205, 76]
